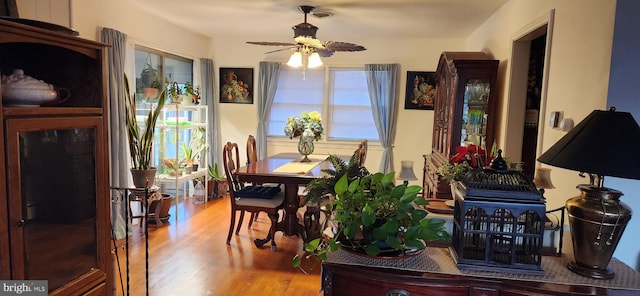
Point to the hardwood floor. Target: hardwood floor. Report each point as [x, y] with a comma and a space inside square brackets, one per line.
[190, 257]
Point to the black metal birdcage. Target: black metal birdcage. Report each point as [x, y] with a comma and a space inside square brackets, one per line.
[499, 221]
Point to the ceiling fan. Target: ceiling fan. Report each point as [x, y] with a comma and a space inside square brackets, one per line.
[304, 35]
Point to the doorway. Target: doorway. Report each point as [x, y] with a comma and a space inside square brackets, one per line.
[527, 93]
[532, 105]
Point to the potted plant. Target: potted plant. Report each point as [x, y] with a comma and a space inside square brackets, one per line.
[191, 151]
[141, 139]
[217, 183]
[373, 216]
[193, 92]
[467, 158]
[175, 92]
[150, 81]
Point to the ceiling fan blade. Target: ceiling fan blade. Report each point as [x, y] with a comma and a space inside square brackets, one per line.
[342, 46]
[281, 49]
[271, 43]
[324, 52]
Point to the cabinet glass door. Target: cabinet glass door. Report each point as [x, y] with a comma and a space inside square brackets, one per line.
[53, 189]
[475, 111]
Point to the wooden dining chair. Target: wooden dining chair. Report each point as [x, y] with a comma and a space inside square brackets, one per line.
[362, 152]
[252, 151]
[249, 198]
[252, 157]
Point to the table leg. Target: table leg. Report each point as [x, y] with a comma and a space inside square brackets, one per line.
[291, 205]
[289, 224]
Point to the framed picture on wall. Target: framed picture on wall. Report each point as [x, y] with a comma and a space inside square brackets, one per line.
[236, 85]
[421, 90]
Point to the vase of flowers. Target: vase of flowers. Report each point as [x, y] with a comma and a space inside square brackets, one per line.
[308, 128]
[305, 147]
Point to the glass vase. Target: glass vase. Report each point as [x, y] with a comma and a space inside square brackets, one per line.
[305, 147]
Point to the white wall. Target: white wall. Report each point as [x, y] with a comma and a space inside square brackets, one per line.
[89, 16]
[578, 69]
[52, 11]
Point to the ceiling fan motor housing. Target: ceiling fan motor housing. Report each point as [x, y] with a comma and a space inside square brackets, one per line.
[305, 30]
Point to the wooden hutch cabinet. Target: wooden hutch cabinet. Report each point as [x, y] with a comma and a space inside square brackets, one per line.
[55, 207]
[463, 113]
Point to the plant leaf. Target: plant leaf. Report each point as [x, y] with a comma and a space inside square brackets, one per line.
[394, 243]
[312, 245]
[372, 250]
[388, 178]
[417, 215]
[419, 200]
[391, 226]
[334, 245]
[368, 215]
[414, 244]
[296, 261]
[341, 186]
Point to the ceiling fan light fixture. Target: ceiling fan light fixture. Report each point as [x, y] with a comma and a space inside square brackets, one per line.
[314, 60]
[295, 60]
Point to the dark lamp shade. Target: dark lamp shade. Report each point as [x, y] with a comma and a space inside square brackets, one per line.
[605, 143]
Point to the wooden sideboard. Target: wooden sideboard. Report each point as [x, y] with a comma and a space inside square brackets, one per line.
[347, 275]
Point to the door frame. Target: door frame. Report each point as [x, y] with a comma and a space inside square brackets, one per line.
[517, 90]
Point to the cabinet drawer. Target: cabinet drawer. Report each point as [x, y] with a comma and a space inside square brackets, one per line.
[350, 280]
[484, 291]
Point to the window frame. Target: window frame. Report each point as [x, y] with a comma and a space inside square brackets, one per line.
[326, 109]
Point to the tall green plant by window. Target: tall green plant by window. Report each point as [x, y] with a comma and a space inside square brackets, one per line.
[141, 138]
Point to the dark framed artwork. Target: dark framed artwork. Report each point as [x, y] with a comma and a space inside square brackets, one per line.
[236, 85]
[421, 90]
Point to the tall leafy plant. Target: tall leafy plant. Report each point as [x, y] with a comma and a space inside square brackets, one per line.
[141, 138]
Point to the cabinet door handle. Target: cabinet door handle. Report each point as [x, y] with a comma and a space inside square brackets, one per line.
[21, 223]
[398, 292]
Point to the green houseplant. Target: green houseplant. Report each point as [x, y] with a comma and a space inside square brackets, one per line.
[193, 91]
[150, 80]
[141, 138]
[191, 151]
[373, 216]
[217, 183]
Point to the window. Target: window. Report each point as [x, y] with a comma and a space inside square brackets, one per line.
[155, 70]
[343, 100]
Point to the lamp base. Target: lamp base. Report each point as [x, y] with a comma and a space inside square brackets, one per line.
[591, 272]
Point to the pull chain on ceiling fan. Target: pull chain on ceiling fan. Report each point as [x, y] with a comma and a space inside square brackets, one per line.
[308, 49]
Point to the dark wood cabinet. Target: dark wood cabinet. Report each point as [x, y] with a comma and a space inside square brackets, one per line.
[343, 278]
[464, 111]
[54, 162]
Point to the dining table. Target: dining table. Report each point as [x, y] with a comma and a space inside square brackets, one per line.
[289, 170]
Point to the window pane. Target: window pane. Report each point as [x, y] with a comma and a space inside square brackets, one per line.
[295, 95]
[171, 67]
[348, 115]
[350, 106]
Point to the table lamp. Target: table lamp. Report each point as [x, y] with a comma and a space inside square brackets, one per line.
[597, 218]
[406, 172]
[543, 179]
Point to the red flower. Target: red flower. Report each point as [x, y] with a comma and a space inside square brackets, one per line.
[474, 155]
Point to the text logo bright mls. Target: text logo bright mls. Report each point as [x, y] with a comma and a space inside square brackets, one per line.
[23, 288]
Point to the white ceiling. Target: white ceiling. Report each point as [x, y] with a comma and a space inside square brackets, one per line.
[271, 20]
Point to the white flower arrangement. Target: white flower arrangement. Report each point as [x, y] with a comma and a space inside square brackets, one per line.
[308, 126]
